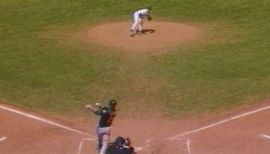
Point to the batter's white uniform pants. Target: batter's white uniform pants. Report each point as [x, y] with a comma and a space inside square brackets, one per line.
[104, 134]
[137, 22]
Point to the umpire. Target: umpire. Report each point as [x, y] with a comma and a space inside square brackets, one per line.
[107, 114]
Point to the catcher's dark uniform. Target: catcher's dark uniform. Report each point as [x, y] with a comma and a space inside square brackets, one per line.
[120, 147]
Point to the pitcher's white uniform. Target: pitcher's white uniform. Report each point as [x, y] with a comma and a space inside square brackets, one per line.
[138, 19]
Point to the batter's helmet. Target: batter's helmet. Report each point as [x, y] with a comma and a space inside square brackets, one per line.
[112, 103]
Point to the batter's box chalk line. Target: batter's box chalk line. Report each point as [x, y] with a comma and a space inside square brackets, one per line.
[82, 143]
[83, 140]
[186, 142]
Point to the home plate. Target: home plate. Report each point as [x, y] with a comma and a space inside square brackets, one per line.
[266, 136]
[2, 139]
[138, 149]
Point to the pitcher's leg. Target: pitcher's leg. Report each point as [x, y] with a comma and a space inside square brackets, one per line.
[140, 25]
[134, 25]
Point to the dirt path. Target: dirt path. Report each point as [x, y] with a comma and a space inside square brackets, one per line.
[240, 132]
[30, 133]
[242, 136]
[158, 35]
[28, 136]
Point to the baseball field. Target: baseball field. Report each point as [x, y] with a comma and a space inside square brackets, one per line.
[200, 64]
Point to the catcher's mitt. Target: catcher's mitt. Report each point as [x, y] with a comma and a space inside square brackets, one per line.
[149, 18]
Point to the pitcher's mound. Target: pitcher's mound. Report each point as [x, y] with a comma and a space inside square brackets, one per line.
[157, 35]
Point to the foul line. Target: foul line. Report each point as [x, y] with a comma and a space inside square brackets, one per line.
[2, 139]
[43, 120]
[266, 136]
[220, 122]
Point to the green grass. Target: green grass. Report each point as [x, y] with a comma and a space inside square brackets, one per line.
[213, 78]
[46, 75]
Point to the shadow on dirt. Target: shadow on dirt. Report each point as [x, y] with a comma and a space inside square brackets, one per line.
[144, 31]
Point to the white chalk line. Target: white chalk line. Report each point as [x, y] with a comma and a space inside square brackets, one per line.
[137, 149]
[82, 143]
[266, 136]
[147, 146]
[2, 139]
[188, 146]
[141, 148]
[220, 122]
[43, 120]
[188, 142]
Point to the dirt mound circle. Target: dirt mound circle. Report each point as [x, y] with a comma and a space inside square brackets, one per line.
[158, 35]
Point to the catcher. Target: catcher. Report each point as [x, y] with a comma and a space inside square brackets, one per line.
[138, 19]
[120, 146]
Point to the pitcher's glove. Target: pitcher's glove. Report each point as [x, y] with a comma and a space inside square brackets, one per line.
[149, 18]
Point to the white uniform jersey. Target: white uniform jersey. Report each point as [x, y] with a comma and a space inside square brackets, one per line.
[142, 13]
[138, 18]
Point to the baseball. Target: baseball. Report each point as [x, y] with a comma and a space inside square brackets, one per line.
[97, 104]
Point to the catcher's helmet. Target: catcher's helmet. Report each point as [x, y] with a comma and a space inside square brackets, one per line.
[120, 140]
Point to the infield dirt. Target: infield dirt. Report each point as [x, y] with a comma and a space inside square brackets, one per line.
[157, 36]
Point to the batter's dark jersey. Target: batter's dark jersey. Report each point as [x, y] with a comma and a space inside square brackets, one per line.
[107, 116]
